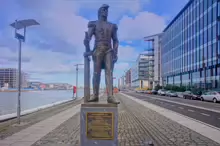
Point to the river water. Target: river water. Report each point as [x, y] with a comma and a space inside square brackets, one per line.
[33, 99]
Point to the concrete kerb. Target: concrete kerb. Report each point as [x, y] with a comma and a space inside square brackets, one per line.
[204, 129]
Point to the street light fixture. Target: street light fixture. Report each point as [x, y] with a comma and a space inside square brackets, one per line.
[17, 25]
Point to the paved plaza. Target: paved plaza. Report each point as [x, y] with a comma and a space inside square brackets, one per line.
[137, 126]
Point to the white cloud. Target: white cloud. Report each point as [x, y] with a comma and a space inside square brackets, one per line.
[121, 66]
[127, 53]
[41, 61]
[144, 24]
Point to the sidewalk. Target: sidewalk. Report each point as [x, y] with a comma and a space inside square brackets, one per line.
[137, 125]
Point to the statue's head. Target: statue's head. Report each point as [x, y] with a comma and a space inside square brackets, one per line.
[103, 11]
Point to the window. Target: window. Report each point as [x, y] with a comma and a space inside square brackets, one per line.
[214, 32]
[201, 39]
[218, 5]
[205, 4]
[205, 53]
[209, 3]
[209, 34]
[201, 22]
[218, 71]
[201, 54]
[214, 13]
[205, 20]
[210, 17]
[201, 6]
[214, 50]
[218, 28]
[218, 47]
[210, 51]
[198, 56]
[205, 37]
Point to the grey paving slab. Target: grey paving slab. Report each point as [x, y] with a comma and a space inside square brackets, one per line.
[29, 136]
[137, 126]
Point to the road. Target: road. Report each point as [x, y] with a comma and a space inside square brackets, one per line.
[206, 112]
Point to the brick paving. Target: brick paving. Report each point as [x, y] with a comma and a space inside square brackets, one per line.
[137, 126]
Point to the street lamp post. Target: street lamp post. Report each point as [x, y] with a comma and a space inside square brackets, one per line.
[77, 69]
[17, 25]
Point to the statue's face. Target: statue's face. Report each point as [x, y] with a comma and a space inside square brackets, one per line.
[104, 12]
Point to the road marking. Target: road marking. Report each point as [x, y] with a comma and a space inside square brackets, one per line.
[172, 105]
[191, 110]
[219, 118]
[199, 107]
[202, 128]
[180, 107]
[205, 114]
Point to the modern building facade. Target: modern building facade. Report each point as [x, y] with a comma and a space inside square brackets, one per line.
[9, 78]
[155, 44]
[128, 78]
[142, 72]
[191, 46]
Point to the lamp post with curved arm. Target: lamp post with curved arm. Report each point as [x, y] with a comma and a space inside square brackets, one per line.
[18, 25]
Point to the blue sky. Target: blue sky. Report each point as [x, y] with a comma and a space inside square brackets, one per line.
[52, 49]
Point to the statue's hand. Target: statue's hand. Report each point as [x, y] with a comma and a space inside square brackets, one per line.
[115, 58]
[86, 54]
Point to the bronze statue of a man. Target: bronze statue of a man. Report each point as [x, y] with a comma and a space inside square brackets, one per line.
[104, 55]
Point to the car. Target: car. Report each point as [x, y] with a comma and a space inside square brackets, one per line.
[213, 96]
[171, 94]
[191, 95]
[153, 91]
[162, 92]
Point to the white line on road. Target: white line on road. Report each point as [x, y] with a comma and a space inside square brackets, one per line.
[205, 114]
[191, 110]
[202, 128]
[172, 105]
[199, 107]
[180, 107]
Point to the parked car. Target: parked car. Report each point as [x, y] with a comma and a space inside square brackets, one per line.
[191, 95]
[162, 92]
[139, 91]
[171, 94]
[148, 92]
[213, 96]
[153, 91]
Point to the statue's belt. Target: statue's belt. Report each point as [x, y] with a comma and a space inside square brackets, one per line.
[110, 50]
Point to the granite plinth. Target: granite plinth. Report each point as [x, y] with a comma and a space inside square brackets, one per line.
[99, 124]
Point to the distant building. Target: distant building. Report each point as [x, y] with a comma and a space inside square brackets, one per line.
[128, 79]
[122, 82]
[9, 78]
[142, 73]
[154, 42]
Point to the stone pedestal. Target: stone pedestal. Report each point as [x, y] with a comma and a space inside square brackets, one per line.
[99, 124]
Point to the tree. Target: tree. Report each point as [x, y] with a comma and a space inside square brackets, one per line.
[158, 87]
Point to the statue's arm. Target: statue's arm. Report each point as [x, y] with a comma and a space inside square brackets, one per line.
[115, 39]
[91, 29]
[88, 37]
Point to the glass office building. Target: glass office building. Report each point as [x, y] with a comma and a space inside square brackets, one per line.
[191, 46]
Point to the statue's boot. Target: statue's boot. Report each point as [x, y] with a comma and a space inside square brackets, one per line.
[94, 99]
[112, 100]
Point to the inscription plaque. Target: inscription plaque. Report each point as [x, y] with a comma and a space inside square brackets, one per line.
[100, 125]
